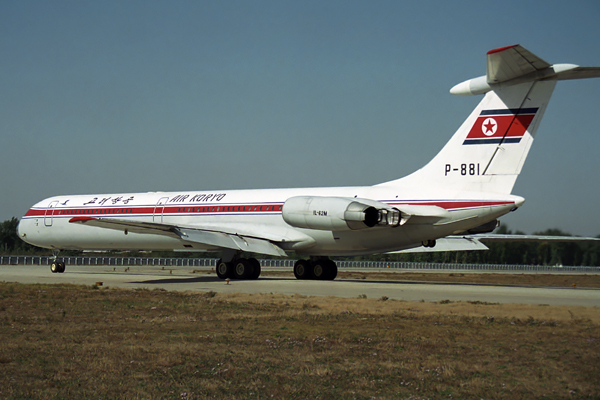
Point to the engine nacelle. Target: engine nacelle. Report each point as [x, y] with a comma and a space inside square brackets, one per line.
[338, 213]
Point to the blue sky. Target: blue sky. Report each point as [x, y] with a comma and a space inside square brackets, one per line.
[112, 96]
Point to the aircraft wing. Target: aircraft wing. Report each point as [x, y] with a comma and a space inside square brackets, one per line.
[473, 242]
[450, 243]
[223, 237]
[532, 238]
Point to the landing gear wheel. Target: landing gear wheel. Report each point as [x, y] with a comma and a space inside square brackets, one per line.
[319, 270]
[303, 270]
[242, 269]
[224, 270]
[325, 270]
[331, 270]
[57, 267]
[255, 268]
[428, 243]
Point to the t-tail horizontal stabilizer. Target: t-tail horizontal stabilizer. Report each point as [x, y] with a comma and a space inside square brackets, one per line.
[515, 64]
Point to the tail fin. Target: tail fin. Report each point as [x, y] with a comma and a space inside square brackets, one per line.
[487, 152]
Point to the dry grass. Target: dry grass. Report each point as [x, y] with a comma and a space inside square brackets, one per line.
[82, 342]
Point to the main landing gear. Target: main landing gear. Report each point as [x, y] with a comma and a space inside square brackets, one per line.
[57, 266]
[318, 269]
[239, 268]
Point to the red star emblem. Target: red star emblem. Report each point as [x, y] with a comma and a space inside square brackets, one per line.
[489, 127]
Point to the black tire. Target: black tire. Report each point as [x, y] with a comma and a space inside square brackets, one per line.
[320, 270]
[224, 270]
[302, 270]
[242, 269]
[61, 267]
[256, 270]
[332, 270]
[54, 267]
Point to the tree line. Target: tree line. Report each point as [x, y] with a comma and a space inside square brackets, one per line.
[518, 252]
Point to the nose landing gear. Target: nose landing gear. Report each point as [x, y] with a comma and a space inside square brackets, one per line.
[57, 266]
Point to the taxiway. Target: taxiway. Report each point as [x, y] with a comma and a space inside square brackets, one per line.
[202, 279]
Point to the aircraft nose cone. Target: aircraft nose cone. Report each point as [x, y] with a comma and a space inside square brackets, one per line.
[22, 231]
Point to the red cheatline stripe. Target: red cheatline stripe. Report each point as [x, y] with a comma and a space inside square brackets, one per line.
[149, 210]
[230, 209]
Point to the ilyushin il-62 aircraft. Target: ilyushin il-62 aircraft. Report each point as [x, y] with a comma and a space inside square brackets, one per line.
[460, 193]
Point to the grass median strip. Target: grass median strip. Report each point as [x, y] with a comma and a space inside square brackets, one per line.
[62, 341]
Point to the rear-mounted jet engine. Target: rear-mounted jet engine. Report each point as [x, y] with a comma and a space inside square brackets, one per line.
[338, 213]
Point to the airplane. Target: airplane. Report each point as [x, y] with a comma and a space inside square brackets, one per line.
[461, 192]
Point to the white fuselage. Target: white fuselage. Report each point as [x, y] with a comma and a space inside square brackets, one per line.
[249, 212]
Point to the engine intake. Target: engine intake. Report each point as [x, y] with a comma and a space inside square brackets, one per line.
[338, 213]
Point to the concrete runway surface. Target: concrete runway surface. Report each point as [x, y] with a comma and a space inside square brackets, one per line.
[182, 279]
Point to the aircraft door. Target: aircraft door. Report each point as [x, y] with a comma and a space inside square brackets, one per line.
[157, 216]
[48, 216]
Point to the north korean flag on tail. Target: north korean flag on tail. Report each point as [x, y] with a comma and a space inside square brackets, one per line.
[500, 126]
